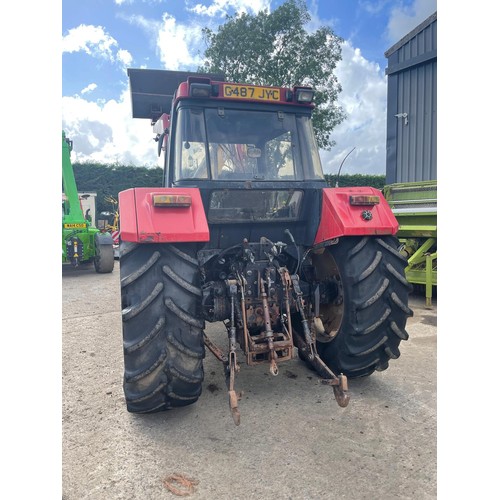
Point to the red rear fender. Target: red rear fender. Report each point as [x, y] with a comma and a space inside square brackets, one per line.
[339, 217]
[143, 222]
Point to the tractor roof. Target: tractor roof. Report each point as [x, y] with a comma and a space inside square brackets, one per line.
[152, 90]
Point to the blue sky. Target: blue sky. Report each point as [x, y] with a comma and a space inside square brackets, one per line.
[101, 38]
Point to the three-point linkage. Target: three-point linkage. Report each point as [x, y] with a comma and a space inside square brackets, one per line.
[261, 298]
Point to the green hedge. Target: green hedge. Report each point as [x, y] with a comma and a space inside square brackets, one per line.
[376, 181]
[108, 180]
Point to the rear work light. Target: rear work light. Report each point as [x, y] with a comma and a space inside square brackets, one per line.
[171, 200]
[304, 96]
[200, 90]
[363, 199]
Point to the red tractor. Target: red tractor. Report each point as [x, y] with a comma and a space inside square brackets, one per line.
[247, 232]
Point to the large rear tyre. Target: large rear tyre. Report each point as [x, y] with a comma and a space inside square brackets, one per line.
[162, 326]
[369, 313]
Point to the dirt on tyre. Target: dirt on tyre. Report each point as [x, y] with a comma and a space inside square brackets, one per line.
[369, 313]
[162, 326]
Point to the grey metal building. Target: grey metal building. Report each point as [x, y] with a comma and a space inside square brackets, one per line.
[411, 105]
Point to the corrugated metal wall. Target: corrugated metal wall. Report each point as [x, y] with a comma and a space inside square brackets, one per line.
[411, 105]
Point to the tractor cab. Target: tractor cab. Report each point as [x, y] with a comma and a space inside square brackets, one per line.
[231, 144]
[212, 130]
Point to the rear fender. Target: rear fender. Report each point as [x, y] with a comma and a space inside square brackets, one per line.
[142, 222]
[341, 218]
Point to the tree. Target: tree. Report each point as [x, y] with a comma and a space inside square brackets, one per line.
[275, 49]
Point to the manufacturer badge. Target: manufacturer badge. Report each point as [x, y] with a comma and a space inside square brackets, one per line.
[367, 215]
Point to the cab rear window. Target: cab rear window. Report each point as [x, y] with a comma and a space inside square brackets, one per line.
[254, 205]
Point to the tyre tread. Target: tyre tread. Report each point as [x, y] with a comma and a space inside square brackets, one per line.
[133, 311]
[141, 271]
[162, 336]
[375, 300]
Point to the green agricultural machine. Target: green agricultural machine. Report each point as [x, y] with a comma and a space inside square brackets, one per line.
[81, 243]
[415, 206]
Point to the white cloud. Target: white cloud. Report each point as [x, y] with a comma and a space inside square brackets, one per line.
[404, 19]
[316, 22]
[364, 99]
[149, 27]
[88, 88]
[107, 133]
[373, 7]
[178, 43]
[222, 7]
[124, 56]
[94, 41]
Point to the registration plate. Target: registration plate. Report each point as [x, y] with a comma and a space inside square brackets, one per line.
[234, 91]
[75, 226]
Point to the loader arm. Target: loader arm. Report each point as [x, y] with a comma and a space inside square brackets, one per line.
[73, 210]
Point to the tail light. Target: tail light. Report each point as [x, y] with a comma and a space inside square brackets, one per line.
[171, 200]
[364, 200]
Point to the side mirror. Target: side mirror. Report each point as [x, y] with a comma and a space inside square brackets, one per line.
[160, 138]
